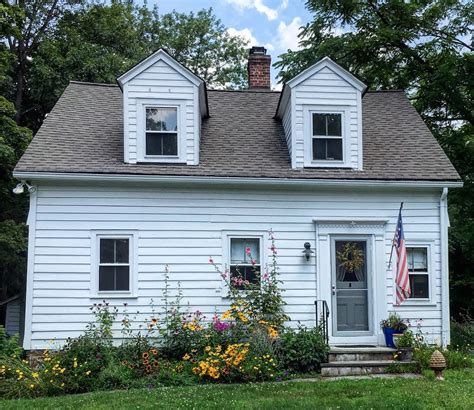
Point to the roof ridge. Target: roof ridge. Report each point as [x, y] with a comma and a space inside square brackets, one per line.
[91, 83]
[395, 90]
[259, 91]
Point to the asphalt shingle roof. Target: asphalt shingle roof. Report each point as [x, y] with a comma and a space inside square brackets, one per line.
[84, 134]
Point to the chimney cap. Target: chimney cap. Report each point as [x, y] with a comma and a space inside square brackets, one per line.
[258, 50]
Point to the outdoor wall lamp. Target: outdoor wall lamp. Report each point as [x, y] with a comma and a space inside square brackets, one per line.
[307, 251]
[20, 188]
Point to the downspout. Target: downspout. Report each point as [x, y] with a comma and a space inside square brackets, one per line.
[444, 224]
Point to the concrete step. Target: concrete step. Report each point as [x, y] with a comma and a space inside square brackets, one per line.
[344, 354]
[357, 367]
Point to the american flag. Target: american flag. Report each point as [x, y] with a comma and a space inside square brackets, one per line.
[402, 280]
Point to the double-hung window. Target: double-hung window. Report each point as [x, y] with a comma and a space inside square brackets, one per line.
[418, 271]
[327, 137]
[161, 132]
[245, 261]
[114, 267]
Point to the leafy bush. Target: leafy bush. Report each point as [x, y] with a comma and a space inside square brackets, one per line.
[9, 345]
[462, 334]
[454, 359]
[394, 322]
[302, 349]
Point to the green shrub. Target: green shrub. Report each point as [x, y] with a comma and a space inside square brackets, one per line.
[9, 345]
[455, 359]
[116, 376]
[462, 334]
[302, 349]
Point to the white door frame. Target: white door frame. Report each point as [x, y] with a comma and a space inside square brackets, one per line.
[369, 240]
[374, 228]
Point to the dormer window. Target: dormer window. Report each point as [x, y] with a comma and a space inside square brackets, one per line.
[327, 137]
[161, 132]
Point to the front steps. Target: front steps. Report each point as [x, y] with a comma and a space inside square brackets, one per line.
[358, 361]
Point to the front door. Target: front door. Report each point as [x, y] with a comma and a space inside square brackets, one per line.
[351, 286]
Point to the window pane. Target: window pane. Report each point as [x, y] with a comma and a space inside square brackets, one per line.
[161, 144]
[334, 124]
[107, 250]
[114, 278]
[107, 278]
[334, 149]
[319, 124]
[238, 247]
[122, 278]
[249, 273]
[161, 119]
[419, 285]
[121, 250]
[327, 149]
[417, 259]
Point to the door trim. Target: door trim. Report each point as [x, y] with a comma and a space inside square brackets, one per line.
[370, 263]
[375, 227]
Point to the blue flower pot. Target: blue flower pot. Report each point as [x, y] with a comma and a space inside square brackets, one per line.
[388, 333]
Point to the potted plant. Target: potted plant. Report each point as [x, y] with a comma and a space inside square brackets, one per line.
[404, 343]
[393, 325]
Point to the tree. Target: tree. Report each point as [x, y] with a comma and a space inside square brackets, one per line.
[98, 42]
[29, 23]
[13, 141]
[424, 47]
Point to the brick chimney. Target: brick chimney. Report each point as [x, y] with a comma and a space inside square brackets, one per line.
[258, 68]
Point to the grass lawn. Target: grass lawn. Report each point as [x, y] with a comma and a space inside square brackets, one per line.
[456, 392]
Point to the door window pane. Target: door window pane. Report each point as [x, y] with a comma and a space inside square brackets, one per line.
[351, 261]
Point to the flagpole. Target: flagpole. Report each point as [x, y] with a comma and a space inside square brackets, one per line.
[393, 240]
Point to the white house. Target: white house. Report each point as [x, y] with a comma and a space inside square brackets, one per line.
[158, 170]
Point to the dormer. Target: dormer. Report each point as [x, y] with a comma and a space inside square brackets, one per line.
[321, 112]
[163, 105]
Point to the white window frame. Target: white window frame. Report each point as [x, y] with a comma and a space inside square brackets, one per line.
[345, 113]
[163, 132]
[429, 246]
[180, 106]
[226, 253]
[132, 237]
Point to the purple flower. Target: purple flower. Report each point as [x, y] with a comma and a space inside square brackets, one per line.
[221, 326]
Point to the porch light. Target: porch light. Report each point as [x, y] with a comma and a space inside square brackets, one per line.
[20, 188]
[307, 250]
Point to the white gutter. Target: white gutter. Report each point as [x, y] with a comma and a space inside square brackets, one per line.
[279, 182]
[444, 224]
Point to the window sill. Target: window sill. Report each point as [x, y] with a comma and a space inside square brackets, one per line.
[329, 164]
[113, 296]
[158, 160]
[410, 303]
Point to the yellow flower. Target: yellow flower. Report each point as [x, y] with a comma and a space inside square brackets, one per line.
[32, 386]
[88, 372]
[208, 348]
[186, 357]
[35, 375]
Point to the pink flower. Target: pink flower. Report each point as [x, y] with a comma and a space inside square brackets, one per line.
[224, 275]
[265, 276]
[254, 262]
[211, 261]
[248, 251]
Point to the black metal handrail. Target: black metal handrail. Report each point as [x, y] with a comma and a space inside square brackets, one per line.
[322, 316]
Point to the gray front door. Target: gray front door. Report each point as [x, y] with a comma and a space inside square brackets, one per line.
[350, 285]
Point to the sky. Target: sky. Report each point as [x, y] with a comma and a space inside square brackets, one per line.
[272, 23]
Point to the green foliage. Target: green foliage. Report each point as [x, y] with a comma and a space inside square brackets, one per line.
[455, 359]
[13, 244]
[394, 322]
[425, 48]
[462, 334]
[302, 349]
[9, 345]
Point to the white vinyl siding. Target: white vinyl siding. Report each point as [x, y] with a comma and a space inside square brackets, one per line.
[161, 85]
[326, 89]
[181, 227]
